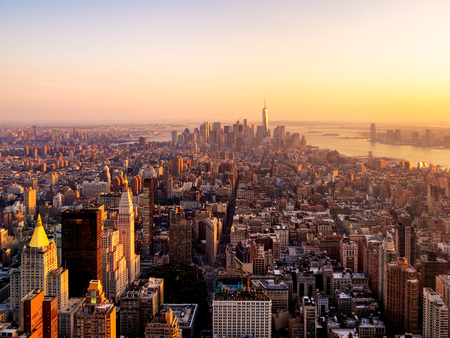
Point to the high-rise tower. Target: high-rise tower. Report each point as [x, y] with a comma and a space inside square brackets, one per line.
[38, 260]
[39, 270]
[373, 132]
[97, 317]
[435, 315]
[405, 238]
[388, 254]
[212, 230]
[147, 218]
[402, 297]
[115, 273]
[265, 120]
[180, 238]
[106, 176]
[29, 201]
[81, 250]
[125, 225]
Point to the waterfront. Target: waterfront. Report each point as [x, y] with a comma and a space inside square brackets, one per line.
[349, 143]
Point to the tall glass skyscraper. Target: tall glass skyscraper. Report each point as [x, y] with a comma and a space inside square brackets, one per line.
[81, 234]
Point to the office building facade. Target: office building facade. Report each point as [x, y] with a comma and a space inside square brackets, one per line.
[244, 313]
[435, 315]
[81, 249]
[402, 297]
[147, 218]
[125, 226]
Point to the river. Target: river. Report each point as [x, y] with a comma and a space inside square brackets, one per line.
[345, 144]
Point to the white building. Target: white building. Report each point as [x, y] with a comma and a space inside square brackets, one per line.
[51, 178]
[58, 285]
[38, 260]
[39, 268]
[114, 265]
[435, 315]
[349, 255]
[94, 188]
[242, 313]
[15, 189]
[125, 225]
[282, 233]
[59, 200]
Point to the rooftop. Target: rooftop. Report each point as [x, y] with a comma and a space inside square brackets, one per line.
[39, 238]
[241, 296]
[185, 313]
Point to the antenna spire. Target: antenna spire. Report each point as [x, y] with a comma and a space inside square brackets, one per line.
[264, 103]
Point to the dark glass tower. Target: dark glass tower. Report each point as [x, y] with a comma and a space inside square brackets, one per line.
[147, 218]
[81, 251]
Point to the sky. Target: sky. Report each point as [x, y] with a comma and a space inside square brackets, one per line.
[212, 60]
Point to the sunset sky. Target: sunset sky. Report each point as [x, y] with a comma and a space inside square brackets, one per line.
[218, 60]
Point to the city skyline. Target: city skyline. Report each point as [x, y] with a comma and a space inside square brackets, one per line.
[235, 226]
[110, 61]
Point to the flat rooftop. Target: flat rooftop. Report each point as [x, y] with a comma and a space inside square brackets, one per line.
[241, 296]
[185, 313]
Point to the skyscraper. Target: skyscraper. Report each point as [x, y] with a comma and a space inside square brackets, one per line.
[309, 316]
[373, 133]
[147, 218]
[38, 260]
[139, 304]
[115, 272]
[29, 201]
[39, 314]
[405, 239]
[106, 176]
[174, 138]
[176, 165]
[431, 266]
[265, 120]
[125, 225]
[97, 317]
[31, 312]
[402, 297]
[349, 255]
[180, 239]
[39, 268]
[435, 315]
[204, 130]
[388, 254]
[81, 251]
[212, 230]
[58, 285]
[50, 316]
[239, 313]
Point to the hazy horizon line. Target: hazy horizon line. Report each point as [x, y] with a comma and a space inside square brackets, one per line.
[223, 122]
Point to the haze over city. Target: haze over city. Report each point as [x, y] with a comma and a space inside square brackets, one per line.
[232, 169]
[146, 61]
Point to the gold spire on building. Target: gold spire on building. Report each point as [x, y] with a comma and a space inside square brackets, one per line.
[39, 238]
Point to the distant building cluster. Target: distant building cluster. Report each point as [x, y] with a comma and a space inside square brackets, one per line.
[397, 136]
